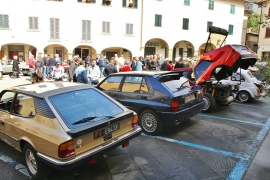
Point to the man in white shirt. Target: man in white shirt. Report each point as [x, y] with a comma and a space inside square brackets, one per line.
[93, 72]
[58, 72]
[121, 61]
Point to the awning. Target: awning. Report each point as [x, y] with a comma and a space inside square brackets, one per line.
[264, 49]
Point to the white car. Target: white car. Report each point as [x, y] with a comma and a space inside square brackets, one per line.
[249, 87]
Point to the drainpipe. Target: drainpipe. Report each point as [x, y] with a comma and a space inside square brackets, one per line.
[141, 26]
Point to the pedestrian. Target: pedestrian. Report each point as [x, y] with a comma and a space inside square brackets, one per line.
[126, 67]
[44, 65]
[38, 65]
[72, 69]
[139, 65]
[133, 64]
[188, 63]
[57, 59]
[153, 65]
[164, 65]
[31, 67]
[159, 61]
[81, 74]
[51, 64]
[87, 61]
[101, 64]
[110, 68]
[93, 72]
[170, 65]
[58, 72]
[179, 63]
[15, 67]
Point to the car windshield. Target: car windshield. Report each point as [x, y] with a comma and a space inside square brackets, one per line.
[199, 70]
[175, 82]
[82, 104]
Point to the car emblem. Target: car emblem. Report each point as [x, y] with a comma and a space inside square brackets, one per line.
[108, 123]
[79, 141]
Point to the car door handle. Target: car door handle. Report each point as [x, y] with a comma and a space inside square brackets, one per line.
[2, 123]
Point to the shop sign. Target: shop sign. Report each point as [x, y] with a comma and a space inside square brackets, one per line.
[15, 48]
[151, 44]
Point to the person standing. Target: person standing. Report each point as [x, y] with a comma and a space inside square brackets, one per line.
[110, 68]
[72, 69]
[126, 67]
[101, 64]
[164, 65]
[81, 74]
[170, 65]
[44, 65]
[31, 66]
[138, 66]
[179, 64]
[51, 64]
[133, 64]
[87, 61]
[93, 72]
[159, 61]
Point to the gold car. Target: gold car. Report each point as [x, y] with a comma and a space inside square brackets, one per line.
[63, 124]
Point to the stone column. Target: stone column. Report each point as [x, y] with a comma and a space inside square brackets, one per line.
[170, 54]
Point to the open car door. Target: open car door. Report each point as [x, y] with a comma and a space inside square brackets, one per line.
[221, 62]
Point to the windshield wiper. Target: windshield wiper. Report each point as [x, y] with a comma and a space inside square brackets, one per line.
[182, 85]
[87, 119]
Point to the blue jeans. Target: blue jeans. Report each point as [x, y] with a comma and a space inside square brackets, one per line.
[50, 69]
[101, 71]
[31, 70]
[44, 71]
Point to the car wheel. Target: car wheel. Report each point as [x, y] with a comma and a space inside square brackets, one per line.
[243, 96]
[209, 103]
[150, 122]
[36, 169]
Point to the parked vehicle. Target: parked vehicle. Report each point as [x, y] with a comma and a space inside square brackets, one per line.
[218, 64]
[159, 98]
[63, 124]
[249, 87]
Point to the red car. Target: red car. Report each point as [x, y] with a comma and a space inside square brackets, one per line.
[217, 64]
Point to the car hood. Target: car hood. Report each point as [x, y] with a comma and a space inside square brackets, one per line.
[220, 63]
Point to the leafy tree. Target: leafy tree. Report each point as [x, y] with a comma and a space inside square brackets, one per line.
[253, 20]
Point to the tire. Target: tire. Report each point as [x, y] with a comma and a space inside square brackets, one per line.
[150, 122]
[209, 103]
[36, 169]
[243, 96]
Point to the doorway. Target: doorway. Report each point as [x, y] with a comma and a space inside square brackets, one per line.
[149, 51]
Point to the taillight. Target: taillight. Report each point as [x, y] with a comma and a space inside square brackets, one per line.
[258, 91]
[175, 105]
[66, 149]
[125, 144]
[134, 121]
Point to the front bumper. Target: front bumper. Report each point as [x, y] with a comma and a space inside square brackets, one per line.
[85, 157]
[170, 118]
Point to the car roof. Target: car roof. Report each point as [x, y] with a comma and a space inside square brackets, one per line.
[147, 73]
[48, 88]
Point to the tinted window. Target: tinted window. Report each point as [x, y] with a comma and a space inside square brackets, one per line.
[111, 83]
[76, 105]
[135, 84]
[175, 82]
[6, 100]
[199, 70]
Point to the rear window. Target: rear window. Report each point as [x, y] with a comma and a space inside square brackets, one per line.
[199, 70]
[77, 105]
[175, 82]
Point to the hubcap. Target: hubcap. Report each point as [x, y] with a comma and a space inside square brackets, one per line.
[31, 161]
[206, 103]
[149, 122]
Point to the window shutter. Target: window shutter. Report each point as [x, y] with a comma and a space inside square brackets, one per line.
[51, 28]
[131, 28]
[103, 26]
[189, 52]
[127, 28]
[267, 32]
[232, 9]
[108, 27]
[88, 32]
[83, 29]
[57, 33]
[6, 22]
[93, 1]
[181, 50]
[30, 22]
[136, 3]
[124, 3]
[269, 12]
[209, 23]
[1, 21]
[187, 24]
[230, 29]
[160, 20]
[156, 20]
[35, 22]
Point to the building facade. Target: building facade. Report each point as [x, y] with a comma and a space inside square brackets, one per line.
[264, 35]
[128, 27]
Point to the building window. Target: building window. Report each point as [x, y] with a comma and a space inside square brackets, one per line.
[33, 22]
[54, 25]
[129, 29]
[130, 3]
[86, 30]
[230, 29]
[4, 22]
[232, 9]
[186, 2]
[185, 23]
[211, 5]
[105, 27]
[267, 33]
[87, 1]
[158, 20]
[209, 23]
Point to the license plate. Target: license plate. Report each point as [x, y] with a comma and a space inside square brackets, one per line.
[189, 98]
[106, 132]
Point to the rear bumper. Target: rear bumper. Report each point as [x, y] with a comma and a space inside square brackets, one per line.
[85, 157]
[169, 118]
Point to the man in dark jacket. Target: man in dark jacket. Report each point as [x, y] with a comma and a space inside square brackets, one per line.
[51, 63]
[110, 68]
[101, 64]
[15, 67]
[164, 65]
[44, 65]
[87, 61]
[72, 68]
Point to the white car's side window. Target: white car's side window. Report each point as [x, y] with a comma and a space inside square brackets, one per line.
[24, 106]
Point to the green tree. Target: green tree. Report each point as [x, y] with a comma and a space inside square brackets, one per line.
[253, 20]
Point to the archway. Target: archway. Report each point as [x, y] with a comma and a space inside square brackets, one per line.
[53, 49]
[183, 48]
[109, 52]
[156, 46]
[202, 48]
[22, 50]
